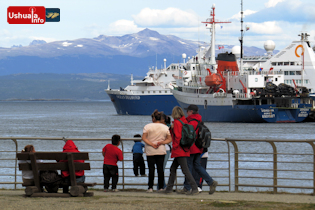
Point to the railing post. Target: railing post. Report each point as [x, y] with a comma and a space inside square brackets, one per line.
[235, 165]
[313, 146]
[229, 160]
[275, 167]
[123, 165]
[16, 163]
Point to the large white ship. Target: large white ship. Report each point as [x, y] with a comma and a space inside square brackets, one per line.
[296, 61]
[226, 93]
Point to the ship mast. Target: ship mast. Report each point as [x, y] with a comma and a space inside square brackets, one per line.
[303, 39]
[241, 39]
[212, 21]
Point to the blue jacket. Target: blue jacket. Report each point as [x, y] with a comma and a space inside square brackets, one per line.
[137, 147]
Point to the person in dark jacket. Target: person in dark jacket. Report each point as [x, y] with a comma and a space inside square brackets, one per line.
[138, 161]
[193, 160]
[80, 177]
[179, 154]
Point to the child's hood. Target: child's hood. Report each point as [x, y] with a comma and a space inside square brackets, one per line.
[70, 147]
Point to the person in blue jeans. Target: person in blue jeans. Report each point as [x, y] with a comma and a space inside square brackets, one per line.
[193, 161]
[138, 160]
[203, 163]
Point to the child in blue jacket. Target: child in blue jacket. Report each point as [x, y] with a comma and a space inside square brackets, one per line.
[138, 161]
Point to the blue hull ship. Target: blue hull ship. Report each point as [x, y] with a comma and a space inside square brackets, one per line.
[252, 113]
[142, 104]
[142, 97]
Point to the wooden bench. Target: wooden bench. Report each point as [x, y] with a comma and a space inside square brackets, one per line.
[76, 189]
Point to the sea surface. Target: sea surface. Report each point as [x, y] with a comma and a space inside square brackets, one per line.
[98, 119]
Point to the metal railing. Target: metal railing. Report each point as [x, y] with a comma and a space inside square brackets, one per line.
[237, 164]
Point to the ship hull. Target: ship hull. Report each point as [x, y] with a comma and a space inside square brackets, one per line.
[222, 110]
[142, 104]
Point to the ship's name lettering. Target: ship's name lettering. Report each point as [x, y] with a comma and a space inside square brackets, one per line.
[302, 114]
[129, 97]
[267, 110]
[268, 116]
[304, 110]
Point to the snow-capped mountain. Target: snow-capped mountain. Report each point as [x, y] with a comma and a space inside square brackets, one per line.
[128, 54]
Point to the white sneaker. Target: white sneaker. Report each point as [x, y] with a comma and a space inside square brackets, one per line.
[150, 190]
[199, 189]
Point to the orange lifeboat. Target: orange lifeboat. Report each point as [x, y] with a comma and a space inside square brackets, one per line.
[213, 80]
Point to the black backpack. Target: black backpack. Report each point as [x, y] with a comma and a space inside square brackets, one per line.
[188, 135]
[204, 135]
[51, 180]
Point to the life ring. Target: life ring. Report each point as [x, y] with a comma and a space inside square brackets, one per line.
[297, 55]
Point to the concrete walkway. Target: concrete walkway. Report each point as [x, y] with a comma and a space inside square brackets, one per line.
[227, 196]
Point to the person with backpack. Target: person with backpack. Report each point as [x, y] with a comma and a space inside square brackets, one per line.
[179, 153]
[193, 161]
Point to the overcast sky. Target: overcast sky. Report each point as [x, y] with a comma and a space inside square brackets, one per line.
[278, 20]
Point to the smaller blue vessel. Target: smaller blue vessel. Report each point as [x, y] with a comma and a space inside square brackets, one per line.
[142, 97]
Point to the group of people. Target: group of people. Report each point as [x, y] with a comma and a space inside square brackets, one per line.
[28, 177]
[157, 137]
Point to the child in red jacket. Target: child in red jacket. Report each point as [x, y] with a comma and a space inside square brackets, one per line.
[112, 154]
[80, 177]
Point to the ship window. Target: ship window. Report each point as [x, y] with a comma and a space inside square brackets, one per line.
[292, 72]
[160, 91]
[298, 72]
[256, 79]
[292, 63]
[193, 68]
[274, 63]
[280, 63]
[306, 81]
[276, 79]
[142, 91]
[286, 63]
[165, 91]
[148, 91]
[286, 73]
[153, 91]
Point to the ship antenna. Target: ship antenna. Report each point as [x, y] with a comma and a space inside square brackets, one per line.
[155, 61]
[131, 79]
[212, 21]
[241, 39]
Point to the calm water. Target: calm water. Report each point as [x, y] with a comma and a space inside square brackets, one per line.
[99, 120]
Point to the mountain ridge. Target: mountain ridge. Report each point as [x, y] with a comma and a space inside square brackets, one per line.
[127, 54]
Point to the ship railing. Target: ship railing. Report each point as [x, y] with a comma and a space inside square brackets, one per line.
[219, 95]
[241, 95]
[253, 165]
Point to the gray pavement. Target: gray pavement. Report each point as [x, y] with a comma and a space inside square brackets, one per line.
[204, 196]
